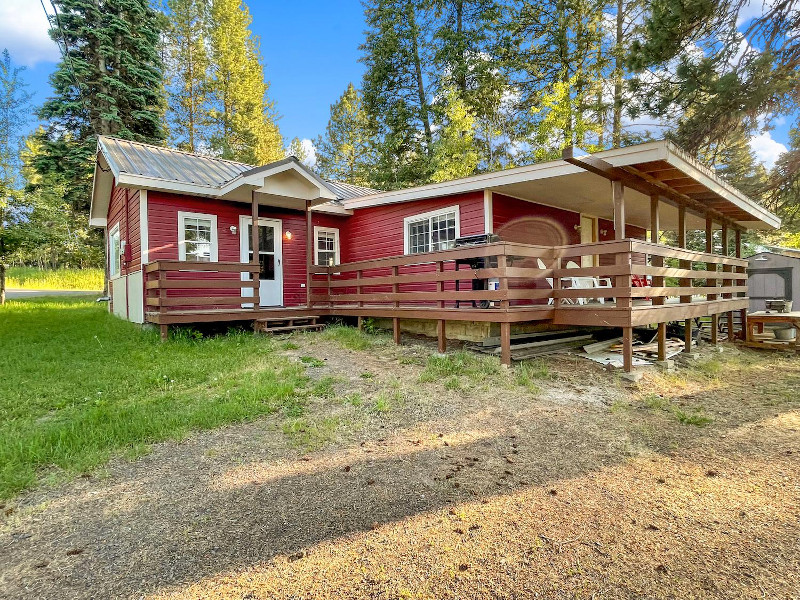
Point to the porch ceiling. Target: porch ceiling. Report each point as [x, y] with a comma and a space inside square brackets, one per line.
[591, 194]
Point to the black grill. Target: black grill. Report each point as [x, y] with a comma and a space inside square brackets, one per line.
[481, 262]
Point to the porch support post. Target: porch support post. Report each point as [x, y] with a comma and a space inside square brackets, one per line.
[656, 261]
[254, 244]
[655, 223]
[712, 282]
[254, 229]
[727, 282]
[742, 311]
[627, 349]
[441, 334]
[164, 332]
[309, 252]
[684, 281]
[618, 193]
[505, 343]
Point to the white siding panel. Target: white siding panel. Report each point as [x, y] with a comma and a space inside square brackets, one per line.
[135, 298]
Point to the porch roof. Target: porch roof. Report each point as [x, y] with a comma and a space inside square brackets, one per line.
[658, 165]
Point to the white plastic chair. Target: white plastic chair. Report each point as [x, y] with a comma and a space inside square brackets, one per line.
[548, 279]
[586, 283]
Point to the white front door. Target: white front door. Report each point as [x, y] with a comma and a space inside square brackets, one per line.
[270, 259]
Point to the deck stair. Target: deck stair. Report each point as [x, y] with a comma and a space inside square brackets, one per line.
[287, 324]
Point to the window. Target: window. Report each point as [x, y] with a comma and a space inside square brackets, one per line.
[114, 252]
[327, 246]
[197, 237]
[432, 231]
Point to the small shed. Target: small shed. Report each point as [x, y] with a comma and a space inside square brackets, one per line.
[773, 275]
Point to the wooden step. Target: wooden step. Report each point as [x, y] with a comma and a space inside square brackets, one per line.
[289, 328]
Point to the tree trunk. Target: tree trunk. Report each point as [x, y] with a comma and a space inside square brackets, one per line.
[423, 102]
[616, 137]
[462, 75]
[2, 283]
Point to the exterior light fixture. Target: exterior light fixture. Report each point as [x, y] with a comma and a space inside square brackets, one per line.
[234, 229]
[288, 235]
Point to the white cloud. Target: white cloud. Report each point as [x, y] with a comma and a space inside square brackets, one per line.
[23, 31]
[766, 149]
[751, 10]
[311, 153]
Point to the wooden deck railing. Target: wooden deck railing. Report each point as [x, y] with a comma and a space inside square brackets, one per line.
[435, 279]
[516, 270]
[181, 285]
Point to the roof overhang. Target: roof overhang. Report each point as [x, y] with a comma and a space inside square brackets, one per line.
[561, 184]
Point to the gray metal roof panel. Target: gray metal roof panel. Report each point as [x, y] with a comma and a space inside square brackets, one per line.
[171, 165]
[346, 191]
[157, 162]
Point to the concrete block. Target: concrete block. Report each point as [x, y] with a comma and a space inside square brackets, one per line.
[665, 365]
[633, 376]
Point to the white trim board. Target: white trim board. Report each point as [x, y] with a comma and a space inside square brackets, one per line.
[427, 215]
[214, 253]
[336, 245]
[488, 211]
[144, 232]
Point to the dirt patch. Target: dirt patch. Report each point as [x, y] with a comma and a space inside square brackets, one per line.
[413, 476]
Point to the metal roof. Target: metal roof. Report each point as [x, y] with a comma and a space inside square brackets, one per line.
[167, 164]
[136, 158]
[346, 191]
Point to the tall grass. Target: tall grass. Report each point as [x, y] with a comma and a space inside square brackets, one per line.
[79, 385]
[31, 278]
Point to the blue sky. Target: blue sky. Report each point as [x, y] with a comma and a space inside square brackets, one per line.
[310, 51]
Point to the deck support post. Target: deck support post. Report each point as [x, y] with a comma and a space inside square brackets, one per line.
[684, 281]
[727, 282]
[164, 332]
[711, 282]
[627, 349]
[396, 330]
[505, 343]
[441, 335]
[361, 323]
[742, 311]
[656, 261]
[310, 254]
[662, 342]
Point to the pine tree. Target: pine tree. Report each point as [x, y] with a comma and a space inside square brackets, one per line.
[14, 103]
[343, 153]
[454, 152]
[722, 73]
[396, 97]
[555, 56]
[464, 57]
[187, 73]
[246, 127]
[108, 83]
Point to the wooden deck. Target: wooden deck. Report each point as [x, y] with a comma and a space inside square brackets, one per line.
[514, 282]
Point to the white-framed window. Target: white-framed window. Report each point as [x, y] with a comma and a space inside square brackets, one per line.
[114, 252]
[326, 246]
[197, 237]
[431, 231]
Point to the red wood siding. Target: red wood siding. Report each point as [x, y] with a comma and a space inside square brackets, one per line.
[123, 208]
[377, 232]
[162, 219]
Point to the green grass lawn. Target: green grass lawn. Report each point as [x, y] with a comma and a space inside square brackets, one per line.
[31, 278]
[78, 385]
